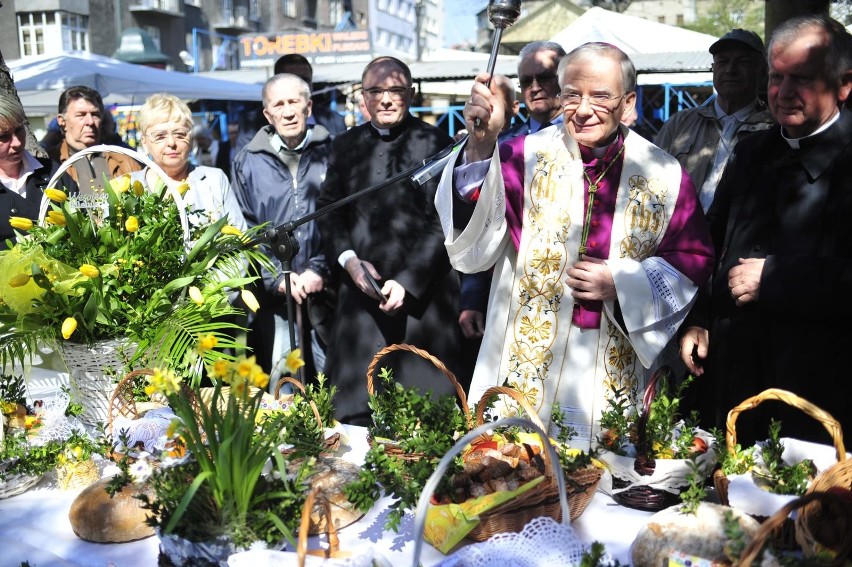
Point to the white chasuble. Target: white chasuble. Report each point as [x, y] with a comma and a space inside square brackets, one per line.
[530, 342]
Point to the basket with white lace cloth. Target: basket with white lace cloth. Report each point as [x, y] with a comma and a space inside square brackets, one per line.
[542, 541]
[95, 369]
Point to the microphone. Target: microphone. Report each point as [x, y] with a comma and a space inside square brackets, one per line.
[435, 165]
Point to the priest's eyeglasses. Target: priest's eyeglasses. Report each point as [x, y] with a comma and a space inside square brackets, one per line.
[597, 101]
[395, 93]
[161, 136]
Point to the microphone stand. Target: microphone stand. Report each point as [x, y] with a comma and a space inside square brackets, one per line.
[502, 14]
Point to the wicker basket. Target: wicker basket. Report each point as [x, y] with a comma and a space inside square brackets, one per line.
[513, 515]
[331, 443]
[815, 516]
[785, 535]
[14, 484]
[392, 448]
[314, 497]
[580, 485]
[649, 484]
[92, 372]
[78, 474]
[774, 523]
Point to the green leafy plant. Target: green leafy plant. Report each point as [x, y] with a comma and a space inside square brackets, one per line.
[740, 462]
[657, 431]
[236, 481]
[775, 474]
[570, 460]
[595, 556]
[419, 424]
[121, 268]
[695, 493]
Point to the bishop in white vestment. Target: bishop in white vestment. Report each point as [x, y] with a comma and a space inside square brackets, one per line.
[596, 236]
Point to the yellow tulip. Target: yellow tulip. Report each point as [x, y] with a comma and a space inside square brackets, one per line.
[56, 195]
[131, 224]
[21, 223]
[69, 325]
[138, 188]
[122, 184]
[56, 217]
[195, 295]
[250, 300]
[89, 271]
[19, 280]
[231, 230]
[182, 188]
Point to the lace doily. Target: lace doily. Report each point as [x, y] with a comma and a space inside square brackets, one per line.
[543, 542]
[55, 425]
[149, 430]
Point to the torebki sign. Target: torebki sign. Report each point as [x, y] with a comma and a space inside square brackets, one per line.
[317, 47]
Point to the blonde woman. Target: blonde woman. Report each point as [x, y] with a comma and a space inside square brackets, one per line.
[166, 125]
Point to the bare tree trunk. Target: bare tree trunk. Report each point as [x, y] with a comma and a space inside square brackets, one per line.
[7, 86]
[778, 11]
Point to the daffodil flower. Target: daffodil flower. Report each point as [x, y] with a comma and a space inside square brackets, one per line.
[182, 188]
[138, 188]
[56, 195]
[19, 280]
[250, 300]
[56, 217]
[163, 381]
[195, 295]
[69, 325]
[131, 224]
[89, 271]
[21, 223]
[207, 342]
[294, 360]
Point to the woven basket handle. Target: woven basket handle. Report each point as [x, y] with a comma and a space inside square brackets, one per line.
[331, 532]
[171, 185]
[532, 414]
[438, 364]
[441, 468]
[768, 528]
[287, 380]
[831, 425]
[121, 402]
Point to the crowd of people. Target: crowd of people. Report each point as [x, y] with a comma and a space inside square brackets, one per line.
[579, 254]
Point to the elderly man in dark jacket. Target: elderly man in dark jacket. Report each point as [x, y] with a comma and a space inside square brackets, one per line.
[394, 236]
[776, 313]
[277, 178]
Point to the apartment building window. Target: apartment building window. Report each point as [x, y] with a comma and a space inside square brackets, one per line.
[31, 31]
[254, 10]
[75, 32]
[383, 5]
[335, 12]
[288, 7]
[227, 10]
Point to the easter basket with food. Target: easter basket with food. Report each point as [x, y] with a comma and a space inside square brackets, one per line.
[410, 432]
[648, 453]
[763, 478]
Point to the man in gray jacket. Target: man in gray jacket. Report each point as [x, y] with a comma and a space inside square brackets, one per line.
[702, 138]
[276, 178]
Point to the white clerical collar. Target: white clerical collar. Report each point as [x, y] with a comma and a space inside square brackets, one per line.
[381, 131]
[740, 114]
[795, 143]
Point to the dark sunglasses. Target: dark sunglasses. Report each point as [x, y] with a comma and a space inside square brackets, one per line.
[526, 81]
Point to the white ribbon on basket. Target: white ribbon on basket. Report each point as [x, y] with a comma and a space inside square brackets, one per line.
[171, 184]
[444, 463]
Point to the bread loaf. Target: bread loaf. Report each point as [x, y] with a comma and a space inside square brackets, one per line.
[98, 518]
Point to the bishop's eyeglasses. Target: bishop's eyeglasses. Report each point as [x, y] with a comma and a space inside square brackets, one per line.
[603, 102]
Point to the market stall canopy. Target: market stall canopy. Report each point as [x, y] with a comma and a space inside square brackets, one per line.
[631, 34]
[40, 81]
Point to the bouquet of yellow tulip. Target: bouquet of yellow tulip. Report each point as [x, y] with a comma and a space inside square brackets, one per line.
[119, 265]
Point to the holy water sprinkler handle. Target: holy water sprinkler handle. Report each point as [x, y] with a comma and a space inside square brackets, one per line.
[501, 14]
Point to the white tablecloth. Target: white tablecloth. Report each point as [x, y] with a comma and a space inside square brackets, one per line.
[34, 526]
